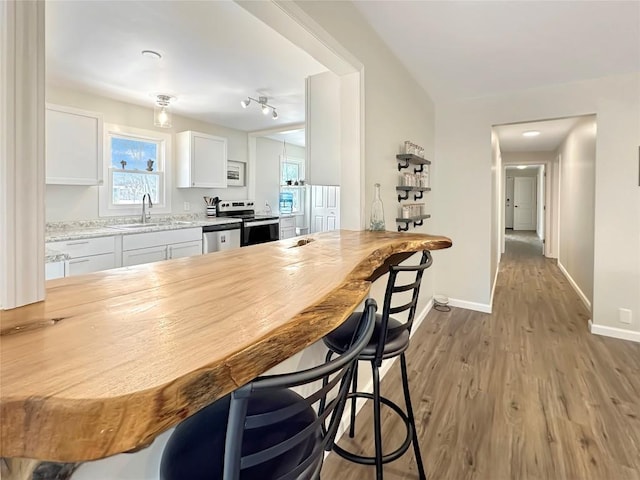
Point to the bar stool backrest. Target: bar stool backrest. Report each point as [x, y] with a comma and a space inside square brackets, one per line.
[337, 375]
[393, 287]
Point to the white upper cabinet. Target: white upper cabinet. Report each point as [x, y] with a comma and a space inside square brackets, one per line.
[73, 146]
[323, 129]
[202, 160]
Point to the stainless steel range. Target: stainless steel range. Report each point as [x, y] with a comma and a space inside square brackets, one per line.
[255, 228]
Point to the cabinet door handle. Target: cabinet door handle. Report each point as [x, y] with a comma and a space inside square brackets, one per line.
[82, 260]
[78, 243]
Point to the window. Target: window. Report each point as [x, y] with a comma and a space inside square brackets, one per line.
[136, 162]
[291, 196]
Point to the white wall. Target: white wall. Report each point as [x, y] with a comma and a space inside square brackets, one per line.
[497, 221]
[267, 168]
[577, 202]
[396, 109]
[65, 202]
[540, 203]
[464, 200]
[323, 129]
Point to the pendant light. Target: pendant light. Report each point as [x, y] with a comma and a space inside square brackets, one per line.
[162, 111]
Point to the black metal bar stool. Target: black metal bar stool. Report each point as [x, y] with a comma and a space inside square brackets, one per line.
[390, 339]
[264, 430]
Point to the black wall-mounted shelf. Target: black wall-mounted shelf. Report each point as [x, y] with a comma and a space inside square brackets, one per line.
[417, 221]
[406, 159]
[416, 196]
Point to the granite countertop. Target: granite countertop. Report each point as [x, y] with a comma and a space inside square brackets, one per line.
[51, 256]
[64, 231]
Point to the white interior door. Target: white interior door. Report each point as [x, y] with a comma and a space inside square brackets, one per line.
[524, 194]
[508, 206]
[325, 208]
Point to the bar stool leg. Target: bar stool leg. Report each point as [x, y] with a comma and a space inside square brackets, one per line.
[407, 398]
[352, 427]
[377, 423]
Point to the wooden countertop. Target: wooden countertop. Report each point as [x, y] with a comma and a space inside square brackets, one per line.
[111, 359]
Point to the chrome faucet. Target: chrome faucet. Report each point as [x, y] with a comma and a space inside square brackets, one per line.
[146, 216]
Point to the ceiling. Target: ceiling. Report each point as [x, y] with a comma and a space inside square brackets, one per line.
[294, 137]
[214, 54]
[458, 49]
[552, 133]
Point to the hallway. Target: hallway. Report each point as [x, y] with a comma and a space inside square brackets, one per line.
[524, 393]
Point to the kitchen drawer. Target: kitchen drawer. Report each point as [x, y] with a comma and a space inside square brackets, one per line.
[287, 222]
[186, 249]
[144, 255]
[154, 239]
[85, 247]
[288, 232]
[94, 263]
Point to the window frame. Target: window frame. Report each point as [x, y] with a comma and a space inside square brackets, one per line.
[163, 168]
[294, 189]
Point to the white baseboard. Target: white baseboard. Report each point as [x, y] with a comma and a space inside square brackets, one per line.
[614, 332]
[478, 307]
[575, 286]
[386, 365]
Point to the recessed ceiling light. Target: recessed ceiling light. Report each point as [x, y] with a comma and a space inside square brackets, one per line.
[531, 133]
[151, 54]
[521, 167]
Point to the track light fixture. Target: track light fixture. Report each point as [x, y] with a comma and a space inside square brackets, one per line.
[264, 106]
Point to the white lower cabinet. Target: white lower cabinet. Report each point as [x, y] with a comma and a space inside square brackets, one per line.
[144, 255]
[287, 227]
[156, 246]
[186, 249]
[54, 270]
[102, 253]
[94, 263]
[87, 255]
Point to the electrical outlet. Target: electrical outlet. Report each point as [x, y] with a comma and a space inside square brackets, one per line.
[187, 206]
[624, 315]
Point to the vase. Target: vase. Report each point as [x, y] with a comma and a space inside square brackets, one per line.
[377, 212]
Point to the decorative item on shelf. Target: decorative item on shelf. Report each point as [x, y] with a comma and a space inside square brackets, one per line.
[123, 163]
[149, 165]
[413, 149]
[376, 222]
[289, 182]
[301, 182]
[162, 111]
[416, 182]
[264, 106]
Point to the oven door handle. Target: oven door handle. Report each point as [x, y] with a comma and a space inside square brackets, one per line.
[261, 222]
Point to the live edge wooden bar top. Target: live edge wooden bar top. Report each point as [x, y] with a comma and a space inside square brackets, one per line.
[111, 359]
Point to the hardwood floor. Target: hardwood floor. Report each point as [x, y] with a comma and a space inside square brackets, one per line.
[524, 393]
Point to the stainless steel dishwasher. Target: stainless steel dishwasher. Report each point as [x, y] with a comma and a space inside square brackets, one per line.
[216, 238]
